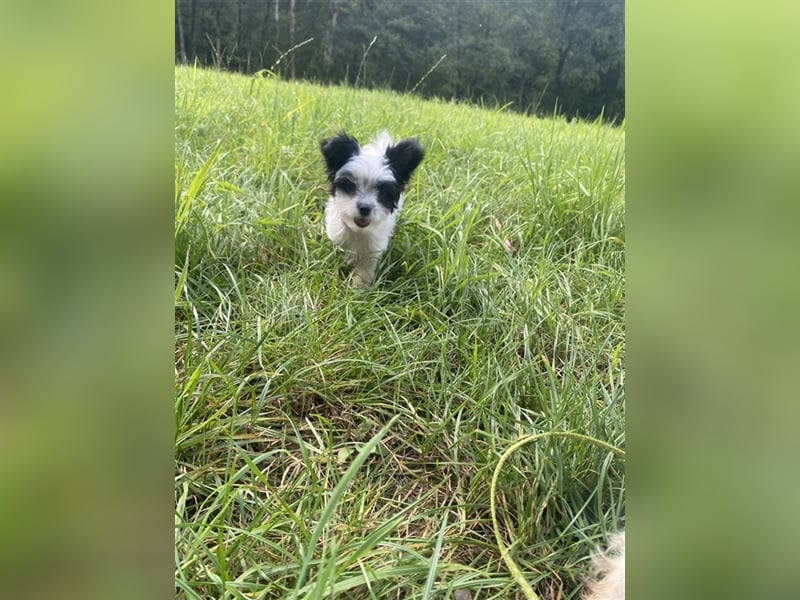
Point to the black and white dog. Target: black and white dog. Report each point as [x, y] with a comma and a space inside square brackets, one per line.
[366, 196]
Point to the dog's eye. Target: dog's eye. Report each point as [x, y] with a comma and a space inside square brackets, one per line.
[388, 194]
[344, 185]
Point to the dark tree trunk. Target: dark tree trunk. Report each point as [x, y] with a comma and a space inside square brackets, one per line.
[241, 46]
[292, 24]
[181, 41]
[566, 43]
[277, 26]
[193, 33]
[330, 33]
[264, 37]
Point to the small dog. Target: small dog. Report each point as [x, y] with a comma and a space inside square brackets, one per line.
[607, 572]
[366, 196]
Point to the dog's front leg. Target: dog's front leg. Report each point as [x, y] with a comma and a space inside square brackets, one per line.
[364, 271]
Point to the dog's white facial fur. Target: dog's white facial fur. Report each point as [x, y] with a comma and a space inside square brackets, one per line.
[366, 196]
[608, 572]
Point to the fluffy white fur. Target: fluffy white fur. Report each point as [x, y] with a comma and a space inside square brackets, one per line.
[366, 196]
[607, 572]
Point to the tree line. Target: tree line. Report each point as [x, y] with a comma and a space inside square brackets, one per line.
[535, 56]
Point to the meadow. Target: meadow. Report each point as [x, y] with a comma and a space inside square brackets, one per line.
[334, 442]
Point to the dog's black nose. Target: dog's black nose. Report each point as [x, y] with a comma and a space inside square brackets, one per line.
[364, 210]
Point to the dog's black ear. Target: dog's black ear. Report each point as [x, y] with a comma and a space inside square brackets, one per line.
[403, 158]
[337, 151]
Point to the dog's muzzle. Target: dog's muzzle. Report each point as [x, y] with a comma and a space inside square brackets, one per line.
[364, 210]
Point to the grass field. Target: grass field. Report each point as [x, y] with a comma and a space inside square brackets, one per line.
[334, 442]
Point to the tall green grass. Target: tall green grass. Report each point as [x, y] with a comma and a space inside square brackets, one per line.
[340, 442]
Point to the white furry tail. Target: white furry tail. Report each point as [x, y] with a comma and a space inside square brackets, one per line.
[607, 572]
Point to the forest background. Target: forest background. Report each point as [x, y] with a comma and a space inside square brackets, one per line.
[534, 56]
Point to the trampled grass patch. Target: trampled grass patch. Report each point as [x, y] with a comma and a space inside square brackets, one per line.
[340, 442]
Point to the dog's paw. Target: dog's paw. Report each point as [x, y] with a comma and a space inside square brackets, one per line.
[360, 280]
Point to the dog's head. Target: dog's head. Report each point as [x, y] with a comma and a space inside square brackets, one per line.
[367, 183]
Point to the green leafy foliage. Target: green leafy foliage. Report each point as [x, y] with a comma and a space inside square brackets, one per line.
[563, 56]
